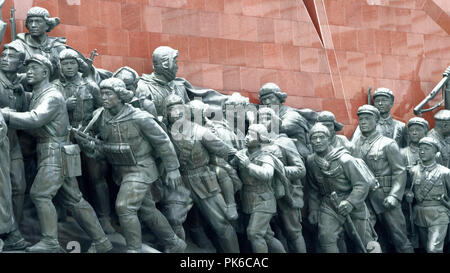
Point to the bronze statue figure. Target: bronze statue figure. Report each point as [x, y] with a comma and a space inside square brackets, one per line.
[431, 184]
[48, 121]
[128, 138]
[383, 158]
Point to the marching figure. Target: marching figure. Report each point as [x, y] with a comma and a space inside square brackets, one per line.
[431, 185]
[339, 185]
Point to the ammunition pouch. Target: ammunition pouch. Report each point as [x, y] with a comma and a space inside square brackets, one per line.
[71, 161]
[119, 154]
[385, 182]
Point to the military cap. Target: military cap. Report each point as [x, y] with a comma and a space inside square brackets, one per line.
[40, 59]
[319, 128]
[382, 91]
[327, 116]
[419, 121]
[429, 141]
[368, 109]
[442, 115]
[172, 100]
[272, 88]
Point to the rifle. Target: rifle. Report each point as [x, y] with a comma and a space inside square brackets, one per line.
[12, 20]
[85, 136]
[369, 96]
[334, 199]
[414, 235]
[418, 110]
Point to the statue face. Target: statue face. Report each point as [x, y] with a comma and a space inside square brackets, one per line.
[109, 98]
[416, 132]
[251, 139]
[270, 99]
[367, 123]
[36, 26]
[427, 152]
[330, 126]
[69, 67]
[10, 61]
[320, 142]
[383, 104]
[36, 73]
[175, 112]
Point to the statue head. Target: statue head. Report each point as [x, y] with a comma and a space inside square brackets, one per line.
[129, 76]
[428, 147]
[71, 62]
[368, 117]
[39, 69]
[319, 136]
[328, 119]
[174, 108]
[269, 118]
[383, 100]
[165, 62]
[114, 92]
[270, 94]
[442, 122]
[257, 134]
[38, 21]
[12, 59]
[417, 129]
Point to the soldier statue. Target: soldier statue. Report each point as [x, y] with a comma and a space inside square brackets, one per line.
[383, 100]
[383, 158]
[194, 144]
[431, 184]
[328, 119]
[13, 96]
[258, 169]
[48, 121]
[441, 133]
[163, 81]
[82, 98]
[295, 125]
[339, 185]
[36, 41]
[129, 138]
[289, 216]
[417, 129]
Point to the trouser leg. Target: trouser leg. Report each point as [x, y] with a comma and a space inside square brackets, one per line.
[257, 229]
[212, 209]
[394, 223]
[82, 211]
[45, 186]
[18, 185]
[290, 219]
[274, 245]
[436, 238]
[128, 202]
[329, 230]
[96, 172]
[155, 220]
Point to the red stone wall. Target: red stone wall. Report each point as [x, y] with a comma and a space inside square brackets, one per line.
[323, 53]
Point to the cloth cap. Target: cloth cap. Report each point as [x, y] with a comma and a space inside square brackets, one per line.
[429, 141]
[326, 116]
[368, 109]
[442, 115]
[419, 121]
[40, 59]
[382, 91]
[319, 128]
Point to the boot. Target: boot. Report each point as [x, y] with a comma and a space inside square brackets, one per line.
[178, 246]
[45, 245]
[103, 246]
[107, 227]
[15, 241]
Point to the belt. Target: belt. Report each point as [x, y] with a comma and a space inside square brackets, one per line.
[384, 181]
[429, 203]
[194, 171]
[55, 139]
